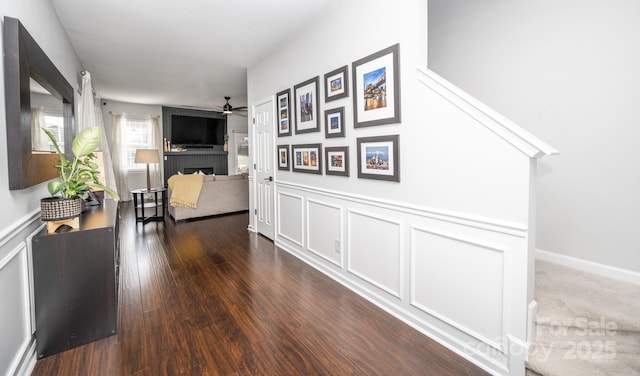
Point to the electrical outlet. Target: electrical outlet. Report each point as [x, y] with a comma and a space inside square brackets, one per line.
[336, 245]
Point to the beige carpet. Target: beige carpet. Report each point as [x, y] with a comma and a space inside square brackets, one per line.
[586, 324]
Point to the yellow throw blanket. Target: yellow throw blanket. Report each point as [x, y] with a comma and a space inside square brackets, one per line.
[185, 190]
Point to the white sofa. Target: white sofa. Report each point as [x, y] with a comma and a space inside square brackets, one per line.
[220, 194]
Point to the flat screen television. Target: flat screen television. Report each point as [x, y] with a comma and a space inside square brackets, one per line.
[192, 131]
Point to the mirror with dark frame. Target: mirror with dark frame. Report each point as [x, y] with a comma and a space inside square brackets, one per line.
[46, 112]
[26, 64]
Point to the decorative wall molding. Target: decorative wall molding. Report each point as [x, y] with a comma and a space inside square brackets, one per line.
[339, 236]
[13, 230]
[15, 265]
[17, 258]
[8, 258]
[440, 215]
[393, 251]
[290, 237]
[476, 243]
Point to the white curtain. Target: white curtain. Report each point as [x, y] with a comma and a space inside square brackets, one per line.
[89, 114]
[155, 142]
[119, 122]
[86, 116]
[108, 173]
[39, 140]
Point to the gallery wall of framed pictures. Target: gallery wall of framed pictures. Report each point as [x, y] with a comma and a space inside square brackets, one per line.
[373, 82]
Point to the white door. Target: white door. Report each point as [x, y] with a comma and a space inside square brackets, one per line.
[264, 166]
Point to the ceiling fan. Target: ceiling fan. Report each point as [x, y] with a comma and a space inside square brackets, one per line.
[228, 109]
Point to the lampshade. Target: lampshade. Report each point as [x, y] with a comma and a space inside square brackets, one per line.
[147, 156]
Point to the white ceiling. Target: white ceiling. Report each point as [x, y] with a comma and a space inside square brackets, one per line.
[179, 52]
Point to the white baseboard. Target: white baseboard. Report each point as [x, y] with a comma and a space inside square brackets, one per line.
[590, 266]
[29, 361]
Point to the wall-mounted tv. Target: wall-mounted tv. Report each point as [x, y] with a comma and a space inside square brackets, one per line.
[192, 131]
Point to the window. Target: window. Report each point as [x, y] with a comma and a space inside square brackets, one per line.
[137, 135]
[55, 124]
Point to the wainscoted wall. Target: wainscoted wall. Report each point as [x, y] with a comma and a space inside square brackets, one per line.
[446, 274]
[449, 248]
[17, 348]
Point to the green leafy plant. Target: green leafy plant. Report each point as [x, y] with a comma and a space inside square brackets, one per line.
[77, 176]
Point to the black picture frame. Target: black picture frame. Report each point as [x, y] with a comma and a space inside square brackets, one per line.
[307, 105]
[337, 160]
[307, 158]
[283, 100]
[379, 158]
[283, 158]
[376, 88]
[336, 84]
[334, 125]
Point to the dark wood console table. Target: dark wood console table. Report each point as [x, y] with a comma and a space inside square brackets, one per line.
[75, 280]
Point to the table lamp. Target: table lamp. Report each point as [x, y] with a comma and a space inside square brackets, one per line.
[147, 156]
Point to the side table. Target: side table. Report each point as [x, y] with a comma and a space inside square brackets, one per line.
[155, 209]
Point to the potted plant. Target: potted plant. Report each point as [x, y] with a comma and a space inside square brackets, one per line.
[76, 177]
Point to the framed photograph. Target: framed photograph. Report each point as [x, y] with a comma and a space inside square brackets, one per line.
[337, 160]
[334, 122]
[379, 158]
[307, 158]
[307, 106]
[283, 99]
[336, 84]
[283, 157]
[376, 88]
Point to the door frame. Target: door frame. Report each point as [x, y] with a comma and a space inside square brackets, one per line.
[253, 195]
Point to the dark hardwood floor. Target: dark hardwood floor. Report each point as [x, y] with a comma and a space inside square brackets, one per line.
[207, 297]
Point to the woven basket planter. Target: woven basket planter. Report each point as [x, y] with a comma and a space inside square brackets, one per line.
[58, 208]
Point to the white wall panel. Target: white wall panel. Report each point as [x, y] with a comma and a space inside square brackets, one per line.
[444, 266]
[324, 230]
[290, 218]
[375, 250]
[15, 315]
